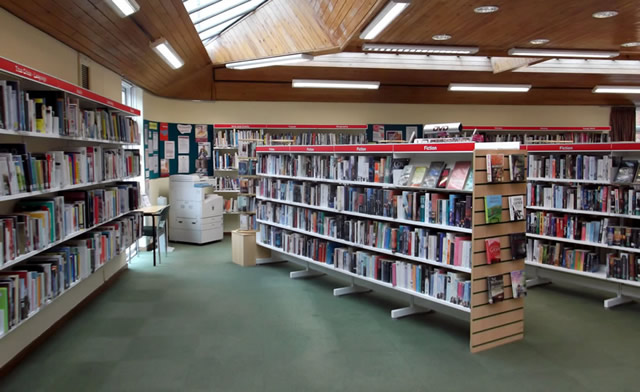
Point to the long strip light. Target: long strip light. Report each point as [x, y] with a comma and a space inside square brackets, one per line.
[495, 88]
[124, 7]
[268, 62]
[419, 49]
[349, 84]
[168, 54]
[600, 54]
[617, 89]
[384, 18]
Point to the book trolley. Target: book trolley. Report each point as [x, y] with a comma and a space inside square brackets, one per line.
[598, 198]
[490, 325]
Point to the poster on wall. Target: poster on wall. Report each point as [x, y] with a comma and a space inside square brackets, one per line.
[164, 168]
[183, 144]
[169, 149]
[183, 163]
[202, 135]
[184, 128]
[164, 131]
[378, 132]
[204, 155]
[393, 136]
[154, 143]
[393, 132]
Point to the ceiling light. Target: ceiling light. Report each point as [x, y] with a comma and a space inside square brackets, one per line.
[604, 14]
[168, 54]
[309, 83]
[271, 61]
[503, 88]
[124, 7]
[441, 37]
[486, 9]
[562, 53]
[419, 49]
[617, 89]
[630, 44]
[539, 41]
[384, 18]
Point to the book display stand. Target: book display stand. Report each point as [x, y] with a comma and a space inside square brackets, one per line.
[345, 211]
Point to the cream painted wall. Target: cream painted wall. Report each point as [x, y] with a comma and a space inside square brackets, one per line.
[29, 46]
[171, 110]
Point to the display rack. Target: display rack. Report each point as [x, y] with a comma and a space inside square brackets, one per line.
[73, 139]
[491, 325]
[539, 135]
[564, 268]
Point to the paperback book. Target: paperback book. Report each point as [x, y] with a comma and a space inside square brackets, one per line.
[516, 208]
[495, 286]
[492, 247]
[433, 175]
[444, 178]
[493, 208]
[516, 166]
[459, 175]
[468, 185]
[518, 242]
[626, 172]
[495, 167]
[407, 173]
[518, 284]
[418, 176]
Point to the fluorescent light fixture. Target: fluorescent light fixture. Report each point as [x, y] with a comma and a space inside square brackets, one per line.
[270, 61]
[124, 7]
[441, 37]
[604, 14]
[617, 89]
[384, 18]
[310, 83]
[539, 41]
[630, 44]
[486, 9]
[493, 88]
[419, 49]
[562, 53]
[168, 54]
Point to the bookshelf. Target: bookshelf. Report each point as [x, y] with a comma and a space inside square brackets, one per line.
[604, 255]
[539, 135]
[298, 210]
[69, 201]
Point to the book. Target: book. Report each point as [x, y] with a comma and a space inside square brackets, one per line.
[492, 248]
[468, 185]
[433, 174]
[495, 286]
[626, 172]
[516, 208]
[407, 173]
[459, 175]
[4, 310]
[418, 176]
[516, 167]
[518, 242]
[495, 167]
[518, 284]
[444, 178]
[493, 208]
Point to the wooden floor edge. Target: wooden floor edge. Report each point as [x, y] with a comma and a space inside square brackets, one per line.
[15, 361]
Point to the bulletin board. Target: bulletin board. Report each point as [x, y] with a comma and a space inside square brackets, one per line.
[398, 132]
[172, 148]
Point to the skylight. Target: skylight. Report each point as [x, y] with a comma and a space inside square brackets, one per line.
[212, 17]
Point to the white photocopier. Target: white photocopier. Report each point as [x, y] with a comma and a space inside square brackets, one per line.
[194, 216]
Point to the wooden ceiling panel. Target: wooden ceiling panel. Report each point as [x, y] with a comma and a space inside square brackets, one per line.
[281, 27]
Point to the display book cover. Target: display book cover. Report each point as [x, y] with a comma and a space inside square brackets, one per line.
[516, 167]
[518, 243]
[626, 172]
[444, 178]
[418, 176]
[495, 167]
[516, 208]
[495, 285]
[433, 174]
[492, 248]
[459, 174]
[518, 284]
[493, 208]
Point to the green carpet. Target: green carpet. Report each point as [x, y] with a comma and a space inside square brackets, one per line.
[200, 323]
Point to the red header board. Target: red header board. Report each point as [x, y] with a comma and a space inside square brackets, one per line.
[372, 148]
[48, 80]
[494, 128]
[570, 147]
[287, 126]
[435, 147]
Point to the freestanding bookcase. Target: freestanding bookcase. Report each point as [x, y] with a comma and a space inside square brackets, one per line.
[490, 325]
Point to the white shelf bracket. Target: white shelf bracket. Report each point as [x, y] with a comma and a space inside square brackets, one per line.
[409, 310]
[352, 289]
[304, 274]
[620, 299]
[537, 282]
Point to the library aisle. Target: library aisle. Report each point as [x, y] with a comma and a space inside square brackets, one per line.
[198, 322]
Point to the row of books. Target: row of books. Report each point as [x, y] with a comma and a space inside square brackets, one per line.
[21, 171]
[225, 183]
[439, 283]
[622, 265]
[247, 168]
[567, 226]
[437, 175]
[493, 208]
[571, 166]
[247, 149]
[231, 137]
[438, 246]
[247, 185]
[496, 166]
[560, 255]
[437, 208]
[496, 289]
[517, 243]
[611, 199]
[40, 222]
[315, 138]
[27, 287]
[247, 222]
[240, 204]
[525, 138]
[57, 113]
[223, 160]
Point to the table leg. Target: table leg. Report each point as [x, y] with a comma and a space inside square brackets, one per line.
[155, 238]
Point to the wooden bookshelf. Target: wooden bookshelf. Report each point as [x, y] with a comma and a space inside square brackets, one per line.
[625, 290]
[490, 325]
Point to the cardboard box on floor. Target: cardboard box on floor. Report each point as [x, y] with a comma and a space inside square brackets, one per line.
[244, 250]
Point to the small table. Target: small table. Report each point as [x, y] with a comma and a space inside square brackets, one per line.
[153, 212]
